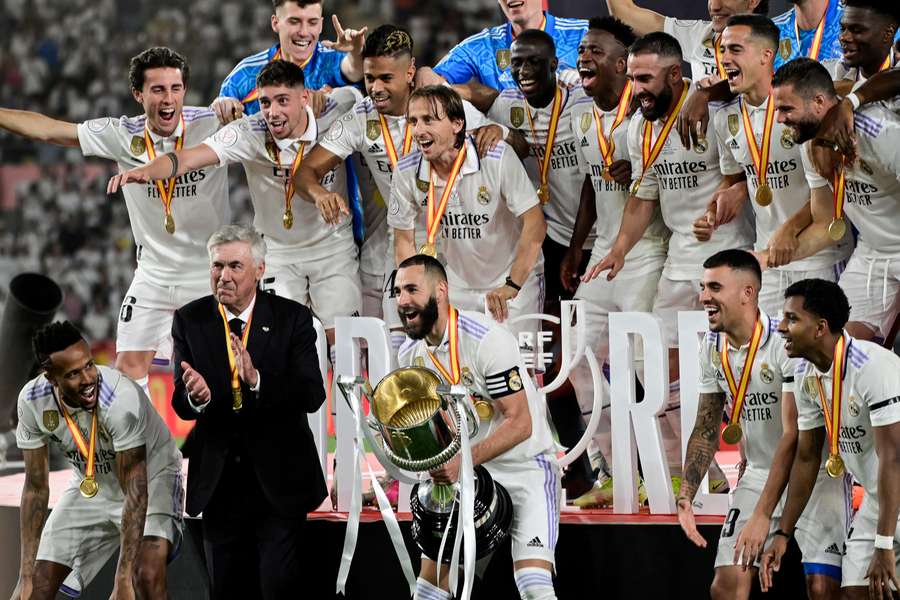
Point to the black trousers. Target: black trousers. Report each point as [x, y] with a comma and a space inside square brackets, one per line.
[250, 551]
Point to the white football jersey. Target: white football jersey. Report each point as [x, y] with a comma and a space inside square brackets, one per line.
[267, 162]
[696, 38]
[872, 183]
[126, 420]
[870, 398]
[491, 368]
[564, 177]
[609, 196]
[199, 200]
[683, 181]
[481, 226]
[784, 175]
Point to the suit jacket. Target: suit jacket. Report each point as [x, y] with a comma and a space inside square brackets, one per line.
[271, 430]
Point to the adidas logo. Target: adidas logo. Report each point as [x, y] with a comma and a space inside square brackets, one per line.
[374, 148]
[535, 543]
[733, 144]
[833, 549]
[584, 142]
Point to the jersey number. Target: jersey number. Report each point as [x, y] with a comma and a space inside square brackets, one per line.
[127, 308]
[730, 522]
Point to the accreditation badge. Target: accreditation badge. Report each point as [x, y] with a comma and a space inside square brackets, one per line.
[586, 119]
[51, 419]
[422, 185]
[517, 116]
[734, 124]
[373, 129]
[502, 57]
[809, 385]
[138, 146]
[785, 48]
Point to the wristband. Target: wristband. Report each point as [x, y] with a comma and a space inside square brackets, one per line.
[884, 542]
[174, 160]
[853, 99]
[513, 284]
[783, 534]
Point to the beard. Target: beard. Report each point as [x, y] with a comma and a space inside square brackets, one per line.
[662, 102]
[428, 316]
[803, 131]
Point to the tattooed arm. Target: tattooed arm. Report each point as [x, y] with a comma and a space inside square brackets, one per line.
[131, 468]
[35, 495]
[702, 445]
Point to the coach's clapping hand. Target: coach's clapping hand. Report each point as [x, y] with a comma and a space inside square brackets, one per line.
[195, 385]
[132, 176]
[687, 522]
[246, 371]
[771, 561]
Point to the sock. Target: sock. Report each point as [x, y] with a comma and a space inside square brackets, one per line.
[535, 583]
[426, 591]
[144, 383]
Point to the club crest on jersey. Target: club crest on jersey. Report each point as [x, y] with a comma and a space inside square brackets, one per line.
[733, 124]
[517, 116]
[585, 122]
[422, 185]
[786, 48]
[514, 381]
[853, 406]
[51, 420]
[787, 139]
[373, 129]
[502, 57]
[865, 167]
[766, 374]
[138, 146]
[484, 198]
[465, 376]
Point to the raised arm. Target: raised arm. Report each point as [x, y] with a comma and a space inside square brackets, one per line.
[641, 20]
[131, 469]
[38, 127]
[32, 513]
[171, 164]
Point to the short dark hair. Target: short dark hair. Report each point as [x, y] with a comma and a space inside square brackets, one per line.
[887, 9]
[53, 338]
[538, 36]
[737, 259]
[808, 76]
[155, 58]
[760, 26]
[623, 33]
[449, 100]
[300, 3]
[388, 40]
[433, 267]
[823, 298]
[659, 43]
[281, 72]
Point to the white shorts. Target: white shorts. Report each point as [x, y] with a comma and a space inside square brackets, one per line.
[372, 294]
[872, 286]
[672, 297]
[861, 545]
[821, 529]
[535, 490]
[83, 533]
[145, 319]
[529, 301]
[776, 281]
[329, 286]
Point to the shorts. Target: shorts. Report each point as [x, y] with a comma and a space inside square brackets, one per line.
[673, 297]
[821, 529]
[861, 545]
[872, 286]
[329, 286]
[529, 301]
[776, 281]
[372, 292]
[83, 533]
[535, 490]
[145, 319]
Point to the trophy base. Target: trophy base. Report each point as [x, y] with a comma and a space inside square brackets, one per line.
[493, 518]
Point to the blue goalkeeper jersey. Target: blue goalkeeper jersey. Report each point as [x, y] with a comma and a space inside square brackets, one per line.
[323, 68]
[485, 55]
[790, 47]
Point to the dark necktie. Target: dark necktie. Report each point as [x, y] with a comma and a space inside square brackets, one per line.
[236, 325]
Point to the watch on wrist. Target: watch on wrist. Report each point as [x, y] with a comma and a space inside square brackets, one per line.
[783, 534]
[513, 284]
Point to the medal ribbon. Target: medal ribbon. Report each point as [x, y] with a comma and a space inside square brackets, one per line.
[165, 189]
[289, 184]
[833, 419]
[650, 151]
[839, 192]
[887, 62]
[232, 363]
[817, 37]
[551, 133]
[759, 155]
[254, 93]
[434, 213]
[453, 335]
[717, 50]
[606, 143]
[85, 448]
[739, 390]
[389, 141]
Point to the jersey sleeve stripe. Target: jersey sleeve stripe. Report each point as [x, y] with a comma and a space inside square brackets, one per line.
[883, 404]
[463, 320]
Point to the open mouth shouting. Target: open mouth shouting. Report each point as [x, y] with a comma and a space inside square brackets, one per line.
[734, 76]
[381, 101]
[528, 85]
[167, 117]
[425, 144]
[588, 75]
[410, 316]
[302, 45]
[515, 5]
[88, 394]
[278, 126]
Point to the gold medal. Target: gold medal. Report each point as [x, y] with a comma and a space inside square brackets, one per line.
[732, 433]
[170, 223]
[288, 219]
[484, 410]
[764, 195]
[834, 466]
[606, 175]
[428, 249]
[237, 400]
[836, 229]
[89, 487]
[544, 193]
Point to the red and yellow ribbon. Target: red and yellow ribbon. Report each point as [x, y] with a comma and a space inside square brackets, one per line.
[86, 449]
[606, 142]
[289, 183]
[759, 154]
[833, 416]
[817, 37]
[232, 362]
[390, 148]
[739, 389]
[167, 188]
[555, 111]
[839, 192]
[434, 213]
[451, 376]
[717, 52]
[649, 149]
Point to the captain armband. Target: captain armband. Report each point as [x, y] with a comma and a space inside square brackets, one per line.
[504, 383]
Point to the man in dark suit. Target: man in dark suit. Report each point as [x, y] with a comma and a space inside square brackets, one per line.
[253, 469]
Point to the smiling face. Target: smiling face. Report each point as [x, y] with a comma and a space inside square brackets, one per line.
[745, 58]
[284, 109]
[162, 97]
[234, 274]
[520, 12]
[600, 59]
[433, 131]
[865, 36]
[802, 117]
[653, 78]
[724, 293]
[800, 329]
[533, 67]
[298, 29]
[388, 80]
[73, 371]
[418, 300]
